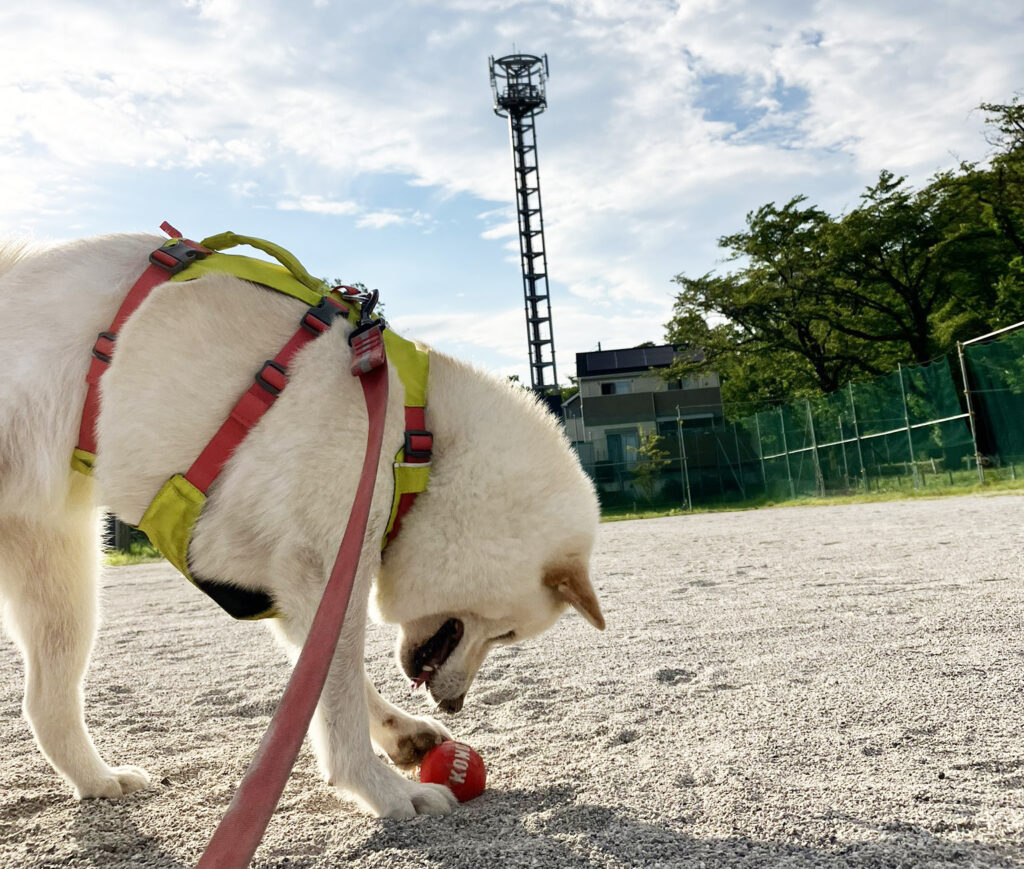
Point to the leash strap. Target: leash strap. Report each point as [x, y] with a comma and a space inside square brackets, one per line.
[242, 827]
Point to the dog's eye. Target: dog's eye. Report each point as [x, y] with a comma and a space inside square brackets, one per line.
[504, 638]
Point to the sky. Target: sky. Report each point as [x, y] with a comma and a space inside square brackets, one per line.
[361, 136]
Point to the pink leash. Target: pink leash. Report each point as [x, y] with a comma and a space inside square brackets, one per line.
[241, 829]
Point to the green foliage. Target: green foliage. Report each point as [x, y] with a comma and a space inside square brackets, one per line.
[1002, 197]
[138, 552]
[817, 300]
[773, 336]
[651, 461]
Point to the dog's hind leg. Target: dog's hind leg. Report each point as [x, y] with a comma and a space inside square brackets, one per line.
[48, 579]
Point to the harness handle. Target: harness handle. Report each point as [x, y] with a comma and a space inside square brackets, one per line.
[224, 240]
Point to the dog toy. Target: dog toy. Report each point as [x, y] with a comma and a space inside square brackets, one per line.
[456, 765]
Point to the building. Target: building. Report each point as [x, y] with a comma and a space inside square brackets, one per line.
[621, 396]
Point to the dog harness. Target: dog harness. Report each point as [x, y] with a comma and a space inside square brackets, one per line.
[170, 519]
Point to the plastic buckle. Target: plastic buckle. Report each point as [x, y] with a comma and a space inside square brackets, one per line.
[410, 452]
[320, 317]
[272, 377]
[367, 343]
[177, 255]
[104, 340]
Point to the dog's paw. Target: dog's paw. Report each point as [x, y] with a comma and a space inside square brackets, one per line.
[116, 782]
[417, 799]
[405, 740]
[386, 794]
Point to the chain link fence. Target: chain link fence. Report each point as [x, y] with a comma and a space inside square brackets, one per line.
[958, 420]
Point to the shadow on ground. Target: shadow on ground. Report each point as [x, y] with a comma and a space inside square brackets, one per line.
[548, 828]
[106, 832]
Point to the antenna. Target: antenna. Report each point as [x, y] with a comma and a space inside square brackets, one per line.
[518, 84]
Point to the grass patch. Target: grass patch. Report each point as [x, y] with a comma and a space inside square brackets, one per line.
[994, 487]
[136, 553]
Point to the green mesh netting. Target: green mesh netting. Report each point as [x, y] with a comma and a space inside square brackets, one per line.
[908, 428]
[996, 374]
[902, 430]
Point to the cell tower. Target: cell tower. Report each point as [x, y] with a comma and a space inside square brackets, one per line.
[517, 81]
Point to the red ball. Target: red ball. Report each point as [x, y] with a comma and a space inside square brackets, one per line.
[456, 765]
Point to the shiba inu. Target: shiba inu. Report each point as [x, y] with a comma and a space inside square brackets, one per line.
[493, 551]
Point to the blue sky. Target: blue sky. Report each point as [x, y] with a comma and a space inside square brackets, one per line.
[361, 136]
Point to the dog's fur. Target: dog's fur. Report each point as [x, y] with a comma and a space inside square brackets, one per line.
[501, 540]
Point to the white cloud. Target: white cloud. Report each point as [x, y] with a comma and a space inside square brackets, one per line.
[319, 205]
[497, 341]
[381, 219]
[667, 121]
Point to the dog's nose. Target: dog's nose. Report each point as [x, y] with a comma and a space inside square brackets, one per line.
[453, 705]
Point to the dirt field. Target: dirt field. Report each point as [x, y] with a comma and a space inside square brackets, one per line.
[821, 686]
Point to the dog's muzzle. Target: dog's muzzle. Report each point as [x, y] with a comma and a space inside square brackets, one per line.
[428, 658]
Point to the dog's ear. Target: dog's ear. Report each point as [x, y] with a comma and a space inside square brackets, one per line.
[570, 583]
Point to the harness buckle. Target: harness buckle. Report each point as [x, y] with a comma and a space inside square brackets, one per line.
[272, 377]
[320, 317]
[367, 343]
[419, 444]
[104, 347]
[178, 255]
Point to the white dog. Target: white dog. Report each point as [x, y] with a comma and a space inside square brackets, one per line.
[493, 551]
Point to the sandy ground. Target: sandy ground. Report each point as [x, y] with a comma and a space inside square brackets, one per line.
[826, 686]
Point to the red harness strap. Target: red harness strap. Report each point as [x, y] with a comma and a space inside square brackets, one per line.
[164, 262]
[257, 400]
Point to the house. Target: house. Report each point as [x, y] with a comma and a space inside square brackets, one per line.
[621, 395]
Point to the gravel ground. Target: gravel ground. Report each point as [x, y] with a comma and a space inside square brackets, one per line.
[817, 686]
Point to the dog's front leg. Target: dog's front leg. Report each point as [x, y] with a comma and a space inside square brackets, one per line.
[340, 729]
[404, 738]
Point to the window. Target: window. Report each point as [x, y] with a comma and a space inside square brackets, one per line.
[615, 387]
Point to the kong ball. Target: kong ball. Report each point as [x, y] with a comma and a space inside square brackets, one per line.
[457, 766]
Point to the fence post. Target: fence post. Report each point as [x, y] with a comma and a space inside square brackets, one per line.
[760, 452]
[906, 419]
[819, 480]
[842, 443]
[856, 434]
[683, 469]
[739, 461]
[970, 411]
[785, 449]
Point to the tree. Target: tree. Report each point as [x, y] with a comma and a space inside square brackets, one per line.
[904, 265]
[651, 461]
[1000, 193]
[819, 300]
[1006, 196]
[772, 336]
